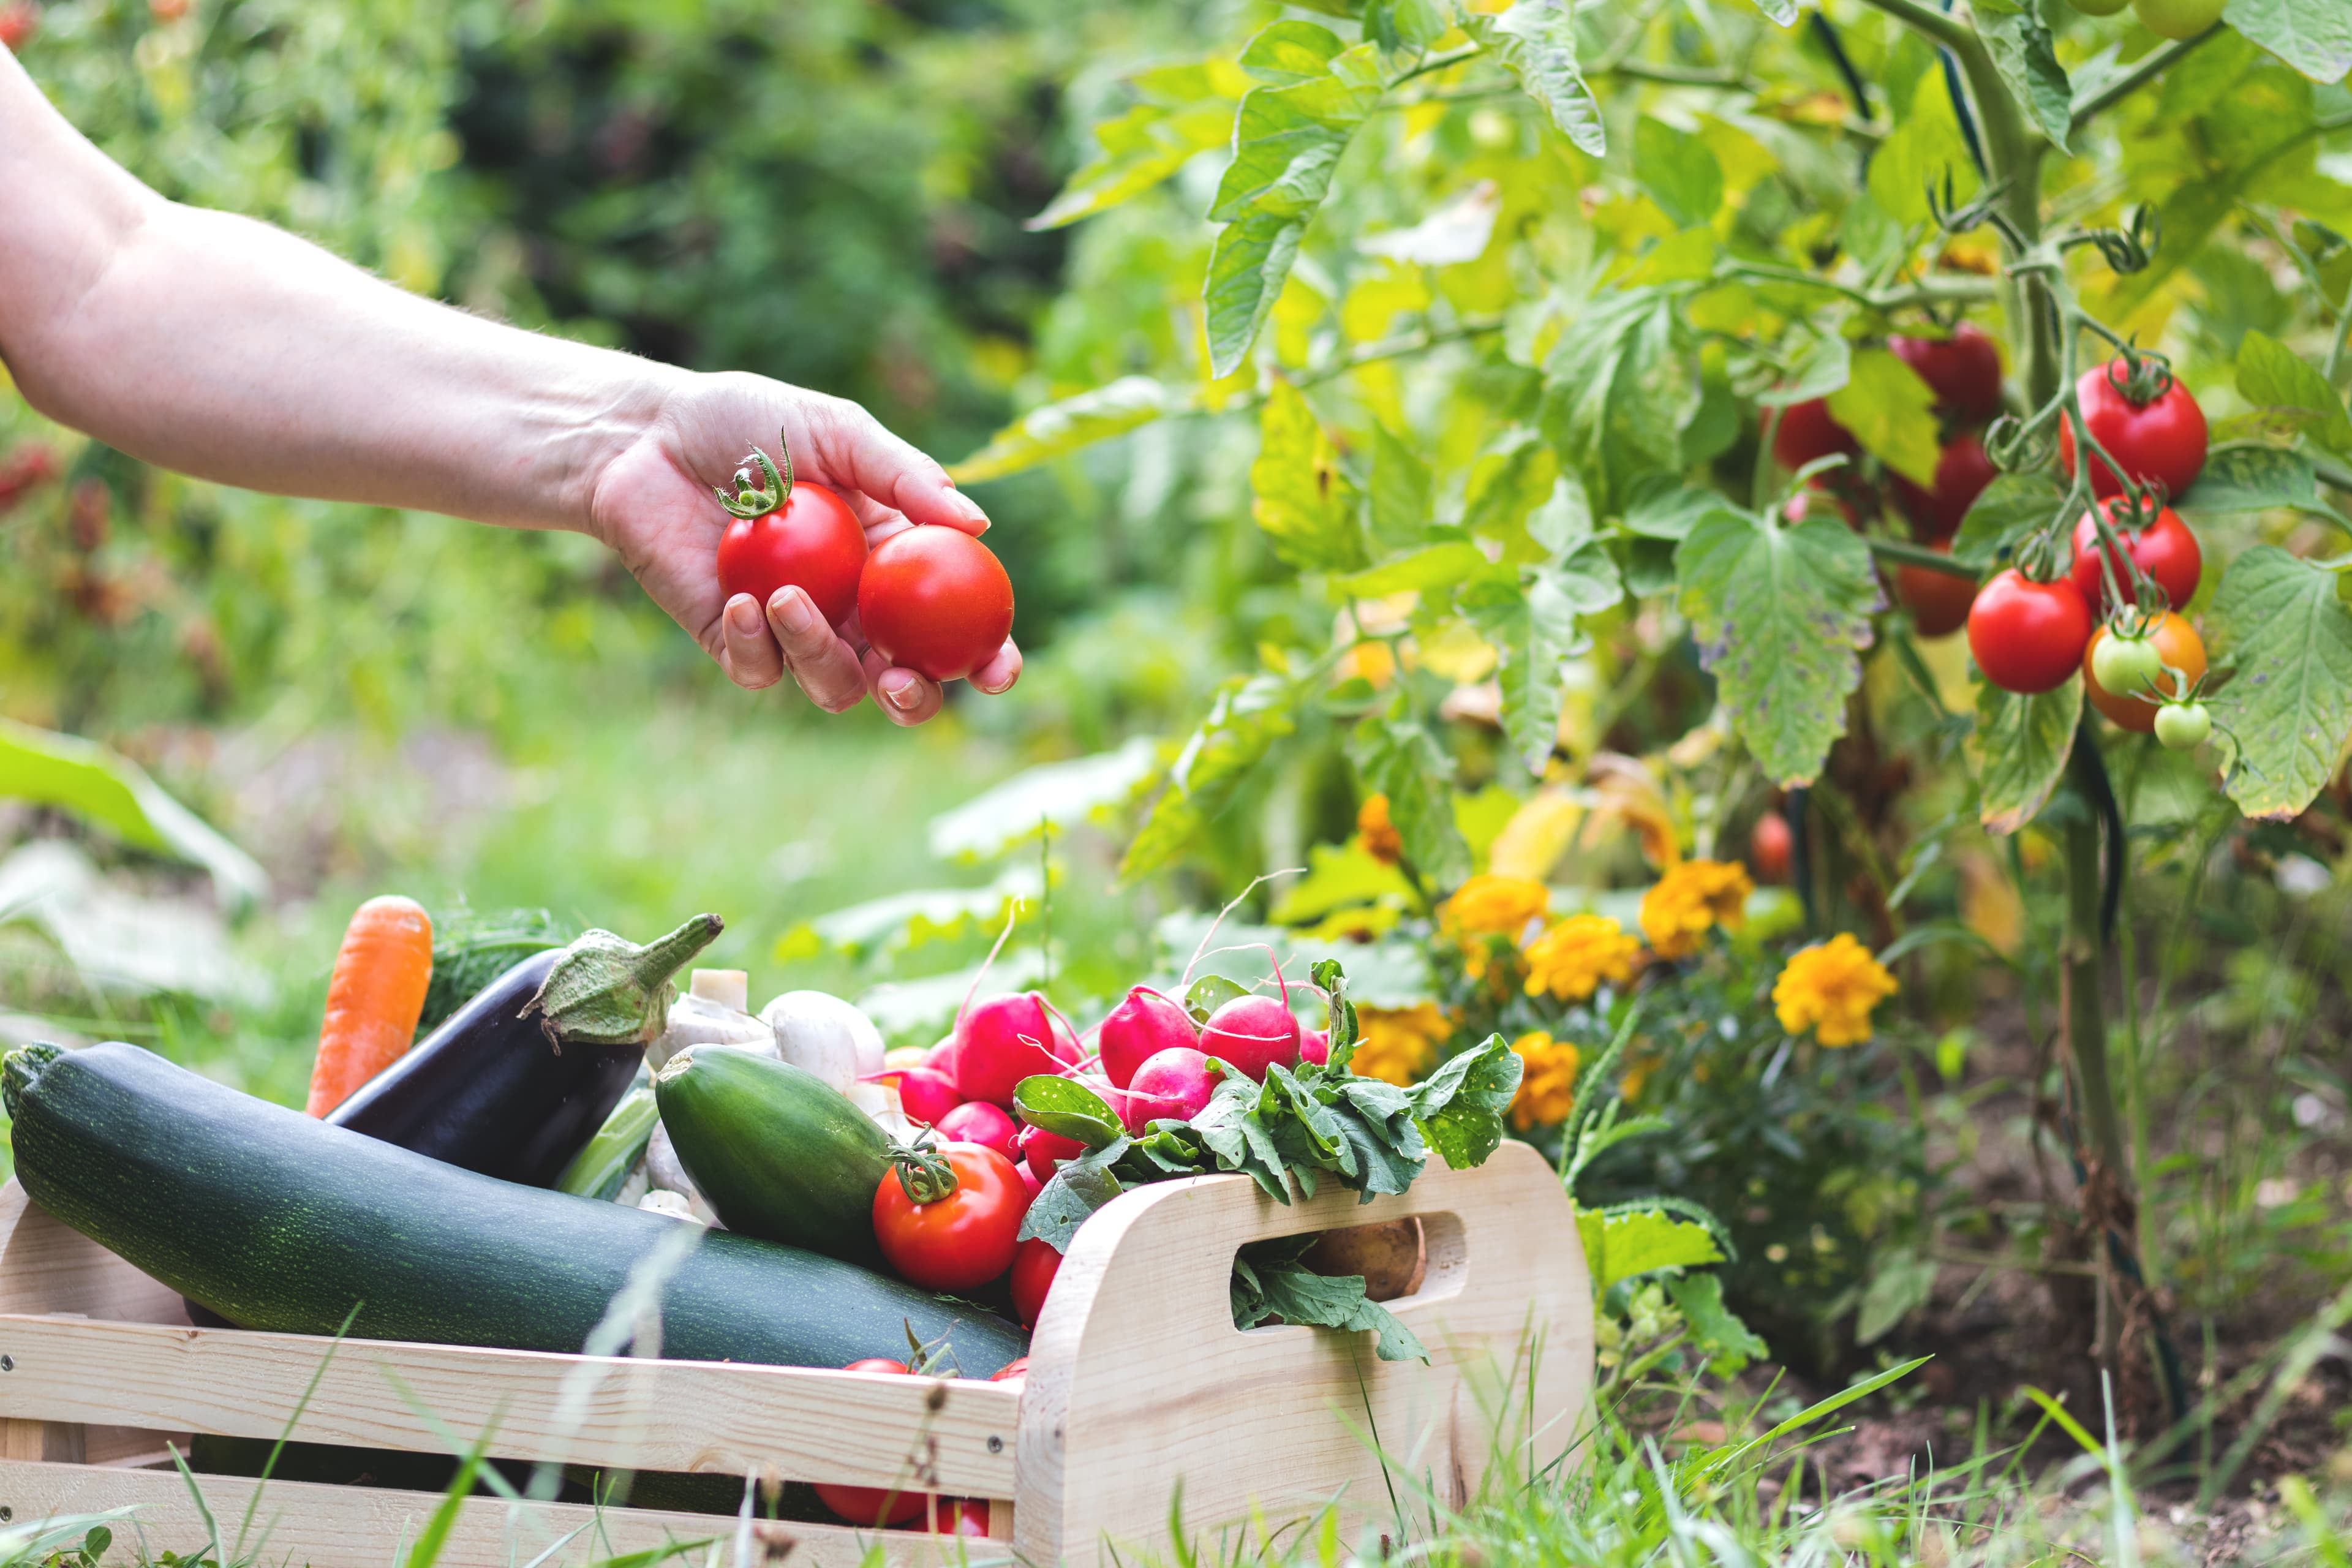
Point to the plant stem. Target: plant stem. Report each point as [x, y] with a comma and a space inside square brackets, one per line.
[2086, 1031]
[1934, 291]
[1904, 554]
[2154, 64]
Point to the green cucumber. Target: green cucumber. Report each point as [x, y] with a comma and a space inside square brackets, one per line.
[779, 1153]
[278, 1221]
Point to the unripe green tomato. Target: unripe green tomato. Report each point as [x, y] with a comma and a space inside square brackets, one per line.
[2183, 726]
[2126, 666]
[2177, 18]
[2100, 8]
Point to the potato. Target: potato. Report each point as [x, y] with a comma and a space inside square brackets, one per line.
[1391, 1256]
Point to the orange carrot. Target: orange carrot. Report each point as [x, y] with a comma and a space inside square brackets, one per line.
[373, 998]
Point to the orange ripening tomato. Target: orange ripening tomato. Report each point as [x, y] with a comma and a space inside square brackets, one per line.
[2176, 645]
[375, 998]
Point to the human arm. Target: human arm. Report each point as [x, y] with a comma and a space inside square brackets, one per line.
[232, 351]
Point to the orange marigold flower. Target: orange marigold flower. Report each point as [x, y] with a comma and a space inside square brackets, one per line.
[1690, 899]
[1494, 905]
[1831, 988]
[1547, 1080]
[1376, 833]
[1398, 1044]
[1576, 955]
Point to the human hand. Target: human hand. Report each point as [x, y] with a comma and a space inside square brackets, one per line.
[652, 504]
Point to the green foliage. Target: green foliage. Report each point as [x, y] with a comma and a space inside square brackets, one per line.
[2283, 623]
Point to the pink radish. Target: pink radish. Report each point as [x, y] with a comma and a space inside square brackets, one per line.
[925, 1094]
[977, 1121]
[1173, 1086]
[941, 1056]
[1315, 1046]
[1140, 1027]
[1045, 1151]
[1003, 1040]
[1255, 1033]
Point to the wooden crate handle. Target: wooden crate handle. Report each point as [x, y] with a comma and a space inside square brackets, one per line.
[1139, 1381]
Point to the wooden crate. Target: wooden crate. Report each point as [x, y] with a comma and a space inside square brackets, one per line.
[1138, 1382]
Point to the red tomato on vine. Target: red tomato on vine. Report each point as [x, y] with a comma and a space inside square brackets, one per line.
[1963, 370]
[1770, 848]
[2027, 637]
[1808, 432]
[1961, 475]
[2163, 548]
[788, 535]
[2159, 441]
[1939, 602]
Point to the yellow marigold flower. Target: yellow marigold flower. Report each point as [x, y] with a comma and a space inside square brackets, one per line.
[1576, 955]
[1398, 1044]
[1690, 899]
[1831, 988]
[1376, 833]
[1491, 905]
[1546, 1081]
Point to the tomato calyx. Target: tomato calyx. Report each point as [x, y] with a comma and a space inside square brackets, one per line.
[2147, 376]
[923, 1173]
[750, 500]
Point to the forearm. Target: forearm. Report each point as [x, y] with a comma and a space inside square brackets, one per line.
[224, 348]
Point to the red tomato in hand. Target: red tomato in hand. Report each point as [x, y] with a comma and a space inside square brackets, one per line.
[2164, 549]
[1806, 432]
[1961, 475]
[936, 601]
[2176, 645]
[1939, 602]
[961, 1241]
[2158, 443]
[813, 542]
[871, 1505]
[1033, 1268]
[2027, 637]
[1963, 371]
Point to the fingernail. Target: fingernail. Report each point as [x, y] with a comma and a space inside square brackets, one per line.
[903, 696]
[797, 613]
[743, 614]
[968, 507]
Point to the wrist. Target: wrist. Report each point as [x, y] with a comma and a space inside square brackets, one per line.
[620, 417]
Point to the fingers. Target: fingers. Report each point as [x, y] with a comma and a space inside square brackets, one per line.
[825, 667]
[855, 448]
[747, 652]
[997, 676]
[906, 696]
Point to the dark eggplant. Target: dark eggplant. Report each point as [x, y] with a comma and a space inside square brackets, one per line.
[518, 1079]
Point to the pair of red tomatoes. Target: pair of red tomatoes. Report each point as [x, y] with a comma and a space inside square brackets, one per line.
[932, 599]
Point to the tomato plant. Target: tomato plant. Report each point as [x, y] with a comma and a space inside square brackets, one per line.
[1962, 370]
[1962, 472]
[936, 600]
[1808, 432]
[2146, 421]
[946, 1218]
[1938, 601]
[2161, 547]
[2138, 678]
[790, 535]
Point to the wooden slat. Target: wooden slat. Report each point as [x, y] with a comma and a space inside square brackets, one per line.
[801, 1423]
[361, 1527]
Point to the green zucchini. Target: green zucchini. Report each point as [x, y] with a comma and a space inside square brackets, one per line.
[278, 1221]
[779, 1153]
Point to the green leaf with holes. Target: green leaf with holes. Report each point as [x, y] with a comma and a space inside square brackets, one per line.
[2281, 622]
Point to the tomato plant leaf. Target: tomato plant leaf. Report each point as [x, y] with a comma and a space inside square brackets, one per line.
[1779, 615]
[1923, 151]
[1536, 42]
[1784, 12]
[2027, 59]
[2315, 37]
[1403, 25]
[2019, 749]
[1247, 717]
[1619, 387]
[2253, 478]
[1291, 51]
[1661, 506]
[2010, 508]
[1892, 413]
[1303, 501]
[1399, 512]
[1246, 268]
[2275, 378]
[1423, 571]
[1055, 429]
[1533, 625]
[1826, 364]
[2279, 620]
[1677, 171]
[1398, 758]
[1509, 480]
[1139, 149]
